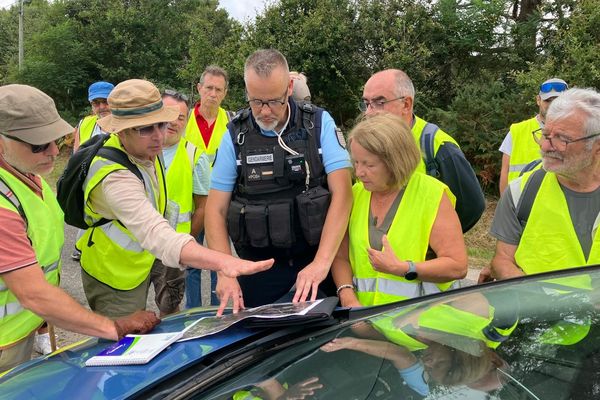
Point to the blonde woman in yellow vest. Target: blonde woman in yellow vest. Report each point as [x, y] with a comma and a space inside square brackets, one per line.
[32, 232]
[519, 147]
[396, 216]
[97, 94]
[117, 256]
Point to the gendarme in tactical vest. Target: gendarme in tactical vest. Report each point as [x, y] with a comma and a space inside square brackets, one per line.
[281, 199]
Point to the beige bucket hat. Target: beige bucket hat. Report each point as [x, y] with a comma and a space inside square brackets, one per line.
[133, 103]
[30, 115]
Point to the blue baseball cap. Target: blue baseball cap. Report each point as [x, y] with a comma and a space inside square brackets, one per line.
[99, 90]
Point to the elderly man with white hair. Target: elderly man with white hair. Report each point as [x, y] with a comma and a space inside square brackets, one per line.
[546, 220]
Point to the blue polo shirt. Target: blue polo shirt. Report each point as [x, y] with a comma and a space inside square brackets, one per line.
[224, 173]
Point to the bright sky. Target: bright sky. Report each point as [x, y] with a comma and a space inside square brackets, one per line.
[242, 10]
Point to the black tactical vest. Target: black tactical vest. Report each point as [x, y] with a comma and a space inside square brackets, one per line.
[273, 205]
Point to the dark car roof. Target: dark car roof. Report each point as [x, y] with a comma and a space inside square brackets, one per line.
[63, 375]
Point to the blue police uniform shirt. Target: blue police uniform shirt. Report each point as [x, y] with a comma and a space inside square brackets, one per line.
[224, 174]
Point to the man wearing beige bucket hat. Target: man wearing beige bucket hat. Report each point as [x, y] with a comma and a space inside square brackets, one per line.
[31, 232]
[117, 257]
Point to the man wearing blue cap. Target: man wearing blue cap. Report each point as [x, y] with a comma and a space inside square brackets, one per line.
[519, 147]
[97, 94]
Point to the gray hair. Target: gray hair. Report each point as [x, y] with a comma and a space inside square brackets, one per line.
[216, 71]
[404, 86]
[586, 101]
[264, 61]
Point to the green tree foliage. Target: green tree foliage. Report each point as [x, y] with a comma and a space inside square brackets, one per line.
[476, 64]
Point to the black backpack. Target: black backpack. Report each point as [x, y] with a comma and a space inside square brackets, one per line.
[70, 184]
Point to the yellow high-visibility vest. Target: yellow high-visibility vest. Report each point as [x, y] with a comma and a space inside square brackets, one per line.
[110, 253]
[45, 230]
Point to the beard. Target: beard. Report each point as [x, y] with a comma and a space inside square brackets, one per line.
[267, 126]
[558, 163]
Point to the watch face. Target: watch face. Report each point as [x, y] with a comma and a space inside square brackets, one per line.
[411, 275]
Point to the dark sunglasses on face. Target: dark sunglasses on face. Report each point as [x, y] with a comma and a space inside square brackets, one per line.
[556, 86]
[148, 130]
[35, 148]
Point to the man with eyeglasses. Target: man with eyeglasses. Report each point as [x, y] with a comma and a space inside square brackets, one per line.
[97, 94]
[117, 257]
[518, 147]
[557, 230]
[32, 232]
[187, 178]
[205, 128]
[280, 187]
[392, 91]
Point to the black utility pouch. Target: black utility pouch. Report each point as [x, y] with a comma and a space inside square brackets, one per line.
[235, 222]
[281, 227]
[256, 225]
[312, 210]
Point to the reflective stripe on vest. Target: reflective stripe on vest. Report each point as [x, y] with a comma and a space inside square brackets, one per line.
[110, 253]
[180, 186]
[524, 147]
[550, 224]
[192, 134]
[45, 231]
[86, 127]
[408, 235]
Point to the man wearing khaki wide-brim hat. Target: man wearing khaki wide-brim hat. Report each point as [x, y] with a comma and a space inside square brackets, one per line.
[32, 232]
[117, 257]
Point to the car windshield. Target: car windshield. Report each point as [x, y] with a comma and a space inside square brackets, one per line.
[520, 339]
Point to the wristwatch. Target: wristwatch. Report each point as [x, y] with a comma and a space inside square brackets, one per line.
[411, 274]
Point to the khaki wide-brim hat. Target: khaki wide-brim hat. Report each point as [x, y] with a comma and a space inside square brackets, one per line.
[29, 114]
[133, 103]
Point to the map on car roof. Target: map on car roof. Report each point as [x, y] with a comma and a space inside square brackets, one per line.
[210, 325]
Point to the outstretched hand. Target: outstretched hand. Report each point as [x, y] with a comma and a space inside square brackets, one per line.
[236, 267]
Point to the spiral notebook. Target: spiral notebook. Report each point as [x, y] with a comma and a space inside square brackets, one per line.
[134, 349]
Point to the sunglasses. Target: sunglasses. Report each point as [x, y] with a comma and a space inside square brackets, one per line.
[175, 94]
[35, 148]
[556, 86]
[148, 130]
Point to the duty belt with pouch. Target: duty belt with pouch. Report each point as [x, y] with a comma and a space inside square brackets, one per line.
[261, 223]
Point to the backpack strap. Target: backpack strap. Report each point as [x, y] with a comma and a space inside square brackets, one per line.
[119, 156]
[531, 166]
[11, 197]
[524, 200]
[426, 142]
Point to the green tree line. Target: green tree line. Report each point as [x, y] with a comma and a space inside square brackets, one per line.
[476, 65]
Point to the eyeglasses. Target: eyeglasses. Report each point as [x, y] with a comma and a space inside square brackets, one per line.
[364, 104]
[258, 103]
[558, 142]
[148, 130]
[35, 148]
[176, 95]
[556, 86]
[98, 102]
